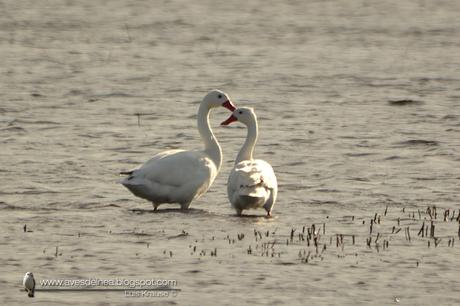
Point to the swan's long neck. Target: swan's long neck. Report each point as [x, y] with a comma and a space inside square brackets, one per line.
[247, 149]
[212, 147]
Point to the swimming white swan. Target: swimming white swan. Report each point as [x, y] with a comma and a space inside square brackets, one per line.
[252, 182]
[178, 176]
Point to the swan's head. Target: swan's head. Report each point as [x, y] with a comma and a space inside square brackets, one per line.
[245, 115]
[216, 98]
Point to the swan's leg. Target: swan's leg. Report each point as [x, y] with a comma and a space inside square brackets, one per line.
[239, 212]
[268, 206]
[155, 206]
[185, 206]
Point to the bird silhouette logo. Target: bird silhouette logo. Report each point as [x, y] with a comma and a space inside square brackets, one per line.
[29, 284]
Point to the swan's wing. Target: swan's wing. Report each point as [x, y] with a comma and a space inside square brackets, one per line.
[176, 168]
[252, 177]
[151, 161]
[266, 173]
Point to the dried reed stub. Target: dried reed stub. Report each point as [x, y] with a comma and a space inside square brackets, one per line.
[408, 233]
[315, 240]
[422, 230]
[446, 215]
[437, 241]
[368, 242]
[315, 231]
[453, 215]
[301, 237]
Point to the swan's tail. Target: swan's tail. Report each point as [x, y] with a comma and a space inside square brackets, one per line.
[251, 184]
[252, 191]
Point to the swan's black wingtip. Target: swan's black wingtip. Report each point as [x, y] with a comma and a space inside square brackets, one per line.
[126, 172]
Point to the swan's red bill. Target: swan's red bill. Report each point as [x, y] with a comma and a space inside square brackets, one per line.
[229, 105]
[229, 120]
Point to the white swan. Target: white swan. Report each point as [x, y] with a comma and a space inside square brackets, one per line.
[178, 176]
[252, 182]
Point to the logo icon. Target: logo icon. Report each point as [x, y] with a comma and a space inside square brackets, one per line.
[29, 284]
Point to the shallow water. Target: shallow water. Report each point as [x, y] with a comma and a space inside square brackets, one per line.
[323, 77]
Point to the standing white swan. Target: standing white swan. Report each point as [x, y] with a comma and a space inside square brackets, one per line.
[252, 182]
[178, 176]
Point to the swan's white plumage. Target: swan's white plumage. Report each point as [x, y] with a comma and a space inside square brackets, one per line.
[178, 176]
[252, 182]
[174, 176]
[252, 178]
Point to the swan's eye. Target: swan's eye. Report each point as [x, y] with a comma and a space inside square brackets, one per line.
[219, 96]
[240, 112]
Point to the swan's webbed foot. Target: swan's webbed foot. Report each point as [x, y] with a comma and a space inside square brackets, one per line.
[184, 206]
[239, 212]
[155, 206]
[269, 214]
